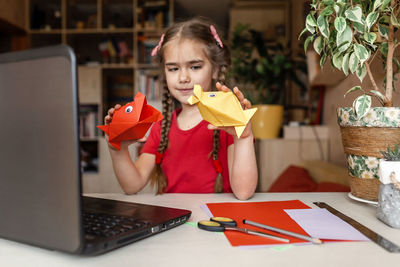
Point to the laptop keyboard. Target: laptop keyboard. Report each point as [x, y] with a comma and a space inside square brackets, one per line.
[105, 225]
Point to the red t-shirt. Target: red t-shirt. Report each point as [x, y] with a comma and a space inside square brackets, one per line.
[187, 162]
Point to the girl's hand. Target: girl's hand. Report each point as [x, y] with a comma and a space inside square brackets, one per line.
[245, 105]
[108, 119]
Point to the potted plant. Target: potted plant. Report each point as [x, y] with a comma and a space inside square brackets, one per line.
[353, 33]
[388, 209]
[263, 69]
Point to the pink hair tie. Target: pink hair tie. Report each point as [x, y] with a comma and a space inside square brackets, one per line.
[216, 37]
[157, 48]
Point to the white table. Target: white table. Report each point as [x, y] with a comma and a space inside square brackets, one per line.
[187, 245]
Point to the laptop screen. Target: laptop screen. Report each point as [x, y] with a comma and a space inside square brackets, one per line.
[39, 159]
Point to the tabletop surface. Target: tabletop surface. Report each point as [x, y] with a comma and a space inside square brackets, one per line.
[187, 245]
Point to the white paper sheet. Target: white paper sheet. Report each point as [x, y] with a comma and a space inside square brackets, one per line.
[320, 223]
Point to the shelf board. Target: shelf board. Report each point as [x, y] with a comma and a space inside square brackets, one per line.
[82, 31]
[44, 31]
[88, 139]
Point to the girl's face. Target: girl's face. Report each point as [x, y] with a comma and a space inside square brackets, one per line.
[186, 64]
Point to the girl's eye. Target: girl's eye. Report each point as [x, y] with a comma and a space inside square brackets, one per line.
[128, 109]
[196, 67]
[172, 69]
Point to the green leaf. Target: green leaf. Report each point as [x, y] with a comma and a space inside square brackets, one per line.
[323, 26]
[318, 45]
[361, 72]
[383, 31]
[355, 88]
[384, 48]
[371, 19]
[361, 52]
[353, 62]
[328, 2]
[327, 11]
[345, 64]
[377, 4]
[362, 105]
[359, 27]
[337, 60]
[307, 41]
[340, 24]
[354, 14]
[378, 94]
[345, 36]
[370, 37]
[310, 20]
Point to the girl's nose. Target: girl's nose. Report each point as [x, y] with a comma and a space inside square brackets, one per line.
[184, 76]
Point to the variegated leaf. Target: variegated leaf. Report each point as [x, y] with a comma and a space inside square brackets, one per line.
[327, 11]
[378, 94]
[310, 20]
[361, 72]
[362, 105]
[355, 88]
[323, 26]
[361, 52]
[345, 64]
[394, 20]
[307, 41]
[337, 60]
[370, 37]
[377, 4]
[345, 36]
[353, 62]
[371, 19]
[340, 24]
[384, 4]
[318, 45]
[383, 31]
[354, 14]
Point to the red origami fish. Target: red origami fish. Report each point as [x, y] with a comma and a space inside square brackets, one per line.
[131, 121]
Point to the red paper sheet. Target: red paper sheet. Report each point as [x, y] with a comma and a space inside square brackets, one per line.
[270, 213]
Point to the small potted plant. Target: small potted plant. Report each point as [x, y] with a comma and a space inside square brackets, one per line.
[264, 68]
[352, 34]
[389, 192]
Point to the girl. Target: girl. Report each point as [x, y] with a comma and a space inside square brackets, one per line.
[188, 154]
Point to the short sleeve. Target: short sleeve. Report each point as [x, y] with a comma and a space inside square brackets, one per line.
[153, 141]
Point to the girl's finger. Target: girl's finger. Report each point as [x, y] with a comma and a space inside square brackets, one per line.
[246, 103]
[238, 93]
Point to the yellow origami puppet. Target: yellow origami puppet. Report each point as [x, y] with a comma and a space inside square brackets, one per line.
[221, 109]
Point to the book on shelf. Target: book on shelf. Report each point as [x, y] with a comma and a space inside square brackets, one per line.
[88, 119]
[150, 84]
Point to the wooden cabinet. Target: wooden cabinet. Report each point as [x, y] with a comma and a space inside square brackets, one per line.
[12, 13]
[112, 40]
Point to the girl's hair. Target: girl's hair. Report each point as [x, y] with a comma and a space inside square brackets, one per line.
[197, 29]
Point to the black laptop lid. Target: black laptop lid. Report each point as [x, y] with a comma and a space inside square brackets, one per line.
[39, 159]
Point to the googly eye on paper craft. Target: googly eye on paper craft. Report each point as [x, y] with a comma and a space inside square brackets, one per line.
[212, 95]
[128, 109]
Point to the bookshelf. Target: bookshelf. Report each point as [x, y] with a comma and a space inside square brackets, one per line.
[112, 40]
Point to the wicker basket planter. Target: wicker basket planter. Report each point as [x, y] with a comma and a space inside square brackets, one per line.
[363, 140]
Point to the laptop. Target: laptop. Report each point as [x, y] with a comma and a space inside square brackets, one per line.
[41, 200]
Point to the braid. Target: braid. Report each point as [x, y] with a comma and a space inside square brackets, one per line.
[218, 185]
[158, 178]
